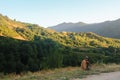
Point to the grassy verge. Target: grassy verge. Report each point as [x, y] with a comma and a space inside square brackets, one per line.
[62, 73]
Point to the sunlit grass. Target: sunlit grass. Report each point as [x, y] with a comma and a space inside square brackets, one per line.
[62, 73]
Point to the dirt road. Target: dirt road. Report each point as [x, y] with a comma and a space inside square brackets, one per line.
[103, 76]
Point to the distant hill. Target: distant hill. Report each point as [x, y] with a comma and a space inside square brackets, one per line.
[66, 26]
[107, 28]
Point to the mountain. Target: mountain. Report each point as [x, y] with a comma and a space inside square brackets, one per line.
[107, 28]
[27, 31]
[30, 47]
[65, 26]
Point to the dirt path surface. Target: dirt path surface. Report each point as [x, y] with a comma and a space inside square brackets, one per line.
[103, 76]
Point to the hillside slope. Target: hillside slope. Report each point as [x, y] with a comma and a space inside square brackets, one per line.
[8, 26]
[27, 31]
[18, 30]
[40, 47]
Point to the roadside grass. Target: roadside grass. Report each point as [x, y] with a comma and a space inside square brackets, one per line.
[68, 73]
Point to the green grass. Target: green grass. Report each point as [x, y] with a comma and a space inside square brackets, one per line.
[62, 73]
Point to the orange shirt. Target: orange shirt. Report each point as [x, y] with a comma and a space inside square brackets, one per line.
[84, 64]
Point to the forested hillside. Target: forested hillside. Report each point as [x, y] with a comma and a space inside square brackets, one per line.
[29, 47]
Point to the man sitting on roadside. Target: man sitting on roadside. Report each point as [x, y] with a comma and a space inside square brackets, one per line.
[85, 64]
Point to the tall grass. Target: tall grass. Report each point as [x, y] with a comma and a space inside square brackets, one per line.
[62, 73]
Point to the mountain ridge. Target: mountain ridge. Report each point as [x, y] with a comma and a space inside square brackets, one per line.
[106, 28]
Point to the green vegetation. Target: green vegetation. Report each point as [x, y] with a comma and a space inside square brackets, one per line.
[62, 73]
[46, 49]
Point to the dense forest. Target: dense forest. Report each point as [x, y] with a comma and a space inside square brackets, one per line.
[29, 47]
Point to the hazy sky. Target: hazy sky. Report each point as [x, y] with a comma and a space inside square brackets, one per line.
[52, 12]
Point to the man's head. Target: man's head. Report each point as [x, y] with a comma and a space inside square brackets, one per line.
[86, 57]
